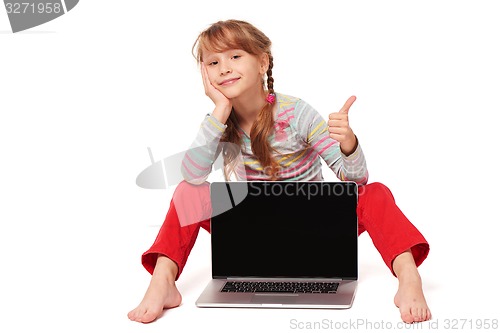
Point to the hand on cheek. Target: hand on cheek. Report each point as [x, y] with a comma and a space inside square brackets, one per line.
[211, 91]
[223, 105]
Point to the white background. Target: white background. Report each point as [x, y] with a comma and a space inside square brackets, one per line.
[83, 96]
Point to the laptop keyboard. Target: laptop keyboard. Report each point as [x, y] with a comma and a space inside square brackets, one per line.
[280, 287]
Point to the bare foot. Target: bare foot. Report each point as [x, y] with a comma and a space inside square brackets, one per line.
[160, 295]
[410, 298]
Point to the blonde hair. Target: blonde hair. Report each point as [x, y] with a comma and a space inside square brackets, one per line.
[235, 34]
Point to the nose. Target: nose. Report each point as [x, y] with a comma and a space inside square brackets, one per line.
[225, 68]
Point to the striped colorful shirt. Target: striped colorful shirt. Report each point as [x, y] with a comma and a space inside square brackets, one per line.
[299, 139]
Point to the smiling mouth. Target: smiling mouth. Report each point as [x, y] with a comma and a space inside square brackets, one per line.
[228, 82]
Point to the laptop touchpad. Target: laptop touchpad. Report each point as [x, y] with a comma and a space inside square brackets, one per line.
[274, 299]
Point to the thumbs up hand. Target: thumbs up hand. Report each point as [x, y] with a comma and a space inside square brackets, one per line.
[338, 126]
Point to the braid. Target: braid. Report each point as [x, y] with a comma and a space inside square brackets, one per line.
[231, 150]
[263, 127]
[270, 80]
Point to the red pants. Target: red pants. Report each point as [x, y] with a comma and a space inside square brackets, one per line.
[391, 232]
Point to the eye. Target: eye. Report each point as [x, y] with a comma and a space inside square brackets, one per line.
[213, 63]
[236, 57]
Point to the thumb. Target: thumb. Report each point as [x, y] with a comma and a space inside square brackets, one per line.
[348, 104]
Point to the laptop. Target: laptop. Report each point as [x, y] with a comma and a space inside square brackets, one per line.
[283, 245]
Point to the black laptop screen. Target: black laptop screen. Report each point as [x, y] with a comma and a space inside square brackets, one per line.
[284, 229]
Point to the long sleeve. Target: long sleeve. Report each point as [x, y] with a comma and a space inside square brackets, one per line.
[313, 129]
[199, 158]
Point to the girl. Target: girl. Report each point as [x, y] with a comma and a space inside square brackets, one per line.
[263, 135]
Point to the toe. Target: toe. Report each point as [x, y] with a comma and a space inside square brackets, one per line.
[131, 315]
[417, 315]
[137, 314]
[406, 316]
[148, 317]
[423, 314]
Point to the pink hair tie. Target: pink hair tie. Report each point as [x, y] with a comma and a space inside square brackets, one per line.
[271, 98]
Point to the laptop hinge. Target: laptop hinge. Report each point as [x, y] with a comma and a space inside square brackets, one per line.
[253, 278]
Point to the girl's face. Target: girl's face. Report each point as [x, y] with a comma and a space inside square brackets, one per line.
[235, 72]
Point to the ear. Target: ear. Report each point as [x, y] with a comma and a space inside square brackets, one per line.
[264, 63]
